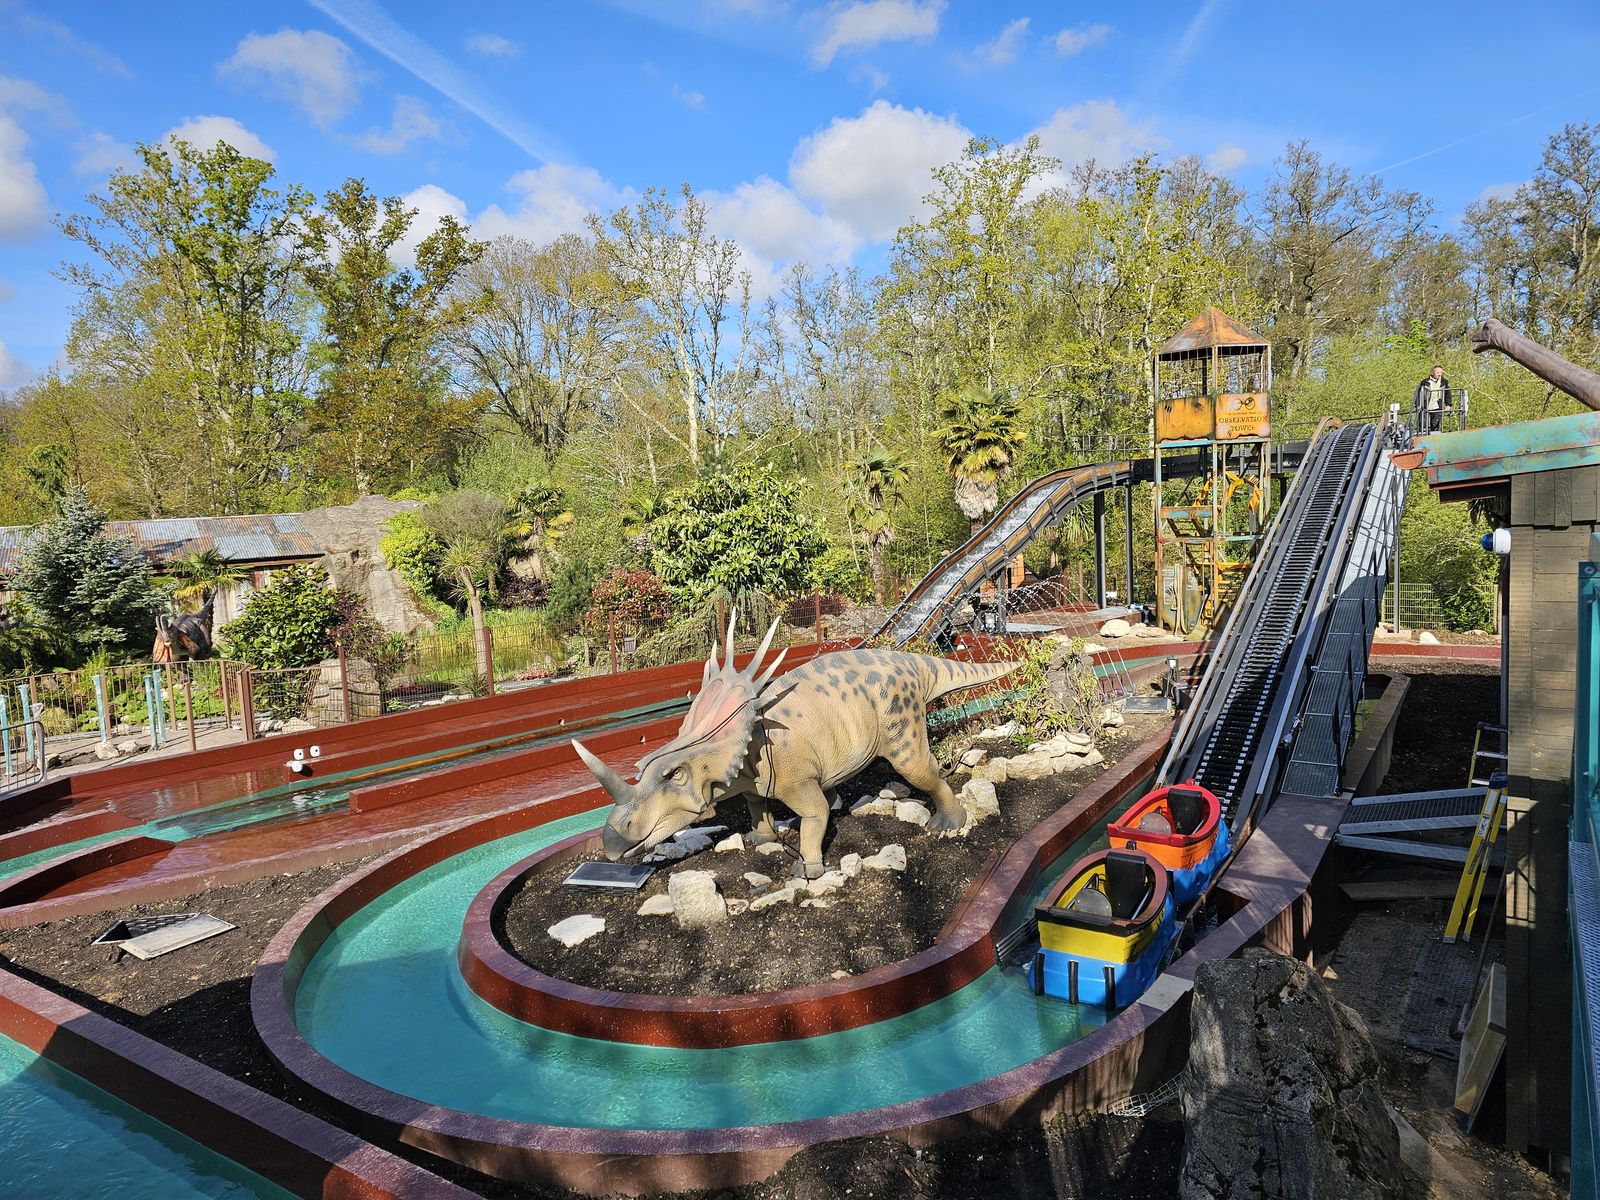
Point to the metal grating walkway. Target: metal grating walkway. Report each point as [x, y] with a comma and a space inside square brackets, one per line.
[1455, 809]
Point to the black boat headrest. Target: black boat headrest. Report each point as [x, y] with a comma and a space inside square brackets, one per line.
[1126, 882]
[1188, 807]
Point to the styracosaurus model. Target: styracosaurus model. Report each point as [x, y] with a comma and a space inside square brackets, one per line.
[789, 738]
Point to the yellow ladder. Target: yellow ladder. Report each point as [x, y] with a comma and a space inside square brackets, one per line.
[1476, 869]
[1477, 777]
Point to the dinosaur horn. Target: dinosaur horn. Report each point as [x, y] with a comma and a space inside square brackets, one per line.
[732, 621]
[761, 650]
[620, 791]
[772, 668]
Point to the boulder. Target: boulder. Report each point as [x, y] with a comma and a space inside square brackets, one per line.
[996, 770]
[1426, 639]
[872, 806]
[1115, 628]
[757, 880]
[1091, 758]
[1150, 631]
[850, 866]
[105, 752]
[128, 746]
[828, 881]
[1281, 1096]
[696, 903]
[770, 848]
[891, 858]
[912, 813]
[326, 706]
[737, 905]
[348, 536]
[734, 841]
[691, 841]
[657, 906]
[1093, 648]
[576, 929]
[974, 756]
[1009, 730]
[1034, 766]
[1112, 718]
[978, 798]
[895, 791]
[772, 900]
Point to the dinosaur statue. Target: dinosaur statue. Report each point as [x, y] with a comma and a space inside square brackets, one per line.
[185, 636]
[789, 739]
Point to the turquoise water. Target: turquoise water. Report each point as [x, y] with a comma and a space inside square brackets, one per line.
[60, 1136]
[384, 999]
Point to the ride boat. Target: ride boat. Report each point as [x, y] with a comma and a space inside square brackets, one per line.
[1104, 933]
[1181, 827]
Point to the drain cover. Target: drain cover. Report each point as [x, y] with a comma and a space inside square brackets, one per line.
[627, 876]
[150, 937]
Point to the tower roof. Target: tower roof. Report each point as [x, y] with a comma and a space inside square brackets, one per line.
[1212, 327]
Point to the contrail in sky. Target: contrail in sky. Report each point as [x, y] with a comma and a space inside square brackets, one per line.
[368, 21]
[1528, 116]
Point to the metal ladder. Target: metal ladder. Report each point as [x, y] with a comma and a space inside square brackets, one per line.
[1477, 776]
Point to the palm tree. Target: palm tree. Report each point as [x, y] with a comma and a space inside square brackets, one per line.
[199, 575]
[980, 436]
[878, 478]
[640, 509]
[474, 528]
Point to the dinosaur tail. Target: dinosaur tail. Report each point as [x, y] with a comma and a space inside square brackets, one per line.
[945, 675]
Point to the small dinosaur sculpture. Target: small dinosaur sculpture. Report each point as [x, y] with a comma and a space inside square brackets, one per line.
[789, 739]
[187, 636]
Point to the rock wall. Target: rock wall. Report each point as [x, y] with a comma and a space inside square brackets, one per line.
[349, 535]
[1281, 1096]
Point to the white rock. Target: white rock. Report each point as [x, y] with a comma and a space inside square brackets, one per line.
[836, 803]
[770, 848]
[1151, 631]
[757, 880]
[828, 881]
[978, 798]
[840, 975]
[772, 900]
[1115, 628]
[996, 770]
[1009, 729]
[657, 906]
[106, 753]
[891, 858]
[912, 813]
[1094, 648]
[128, 746]
[1112, 718]
[696, 903]
[691, 841]
[1055, 747]
[577, 929]
[1426, 639]
[1077, 742]
[974, 756]
[734, 841]
[873, 806]
[1034, 766]
[786, 823]
[850, 866]
[737, 905]
[1092, 759]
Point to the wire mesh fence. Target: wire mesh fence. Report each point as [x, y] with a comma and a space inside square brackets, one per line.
[1420, 609]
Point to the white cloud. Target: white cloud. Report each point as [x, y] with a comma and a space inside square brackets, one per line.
[100, 154]
[13, 371]
[551, 200]
[431, 203]
[493, 45]
[1227, 157]
[769, 220]
[873, 22]
[871, 172]
[24, 206]
[412, 122]
[205, 132]
[870, 75]
[1498, 191]
[314, 71]
[694, 100]
[1071, 41]
[1098, 130]
[1004, 48]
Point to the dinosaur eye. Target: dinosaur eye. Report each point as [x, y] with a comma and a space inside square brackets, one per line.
[680, 775]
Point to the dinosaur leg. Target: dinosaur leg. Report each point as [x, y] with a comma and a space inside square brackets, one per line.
[918, 767]
[762, 829]
[811, 806]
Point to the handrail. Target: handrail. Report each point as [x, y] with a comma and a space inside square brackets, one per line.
[23, 759]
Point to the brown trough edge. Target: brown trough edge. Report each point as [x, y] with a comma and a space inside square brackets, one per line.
[1138, 1049]
[963, 952]
[294, 1149]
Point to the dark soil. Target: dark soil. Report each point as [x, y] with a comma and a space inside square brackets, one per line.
[1433, 738]
[879, 917]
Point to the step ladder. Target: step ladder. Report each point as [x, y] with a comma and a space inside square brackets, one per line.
[1476, 867]
[1486, 761]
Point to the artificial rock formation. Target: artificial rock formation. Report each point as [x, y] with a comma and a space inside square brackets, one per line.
[349, 535]
[1281, 1099]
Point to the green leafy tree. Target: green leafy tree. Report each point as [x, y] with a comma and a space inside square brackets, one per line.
[411, 548]
[980, 434]
[744, 531]
[384, 413]
[90, 590]
[288, 623]
[476, 530]
[878, 479]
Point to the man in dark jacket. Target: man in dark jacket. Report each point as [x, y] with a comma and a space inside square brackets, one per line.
[1432, 400]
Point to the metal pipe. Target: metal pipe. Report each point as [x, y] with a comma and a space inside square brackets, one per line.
[100, 707]
[25, 690]
[1100, 549]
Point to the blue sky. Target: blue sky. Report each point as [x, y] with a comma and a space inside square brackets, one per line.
[809, 126]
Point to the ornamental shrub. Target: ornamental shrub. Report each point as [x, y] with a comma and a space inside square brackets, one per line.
[288, 623]
[743, 531]
[639, 601]
[412, 549]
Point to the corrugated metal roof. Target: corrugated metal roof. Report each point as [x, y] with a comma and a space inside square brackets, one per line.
[1212, 327]
[263, 538]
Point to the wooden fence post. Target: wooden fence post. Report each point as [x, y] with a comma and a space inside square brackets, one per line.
[247, 703]
[488, 660]
[188, 706]
[227, 700]
[611, 635]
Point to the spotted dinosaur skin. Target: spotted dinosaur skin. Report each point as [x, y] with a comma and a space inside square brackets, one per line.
[787, 740]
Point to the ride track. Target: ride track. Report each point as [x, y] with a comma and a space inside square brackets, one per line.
[939, 1044]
